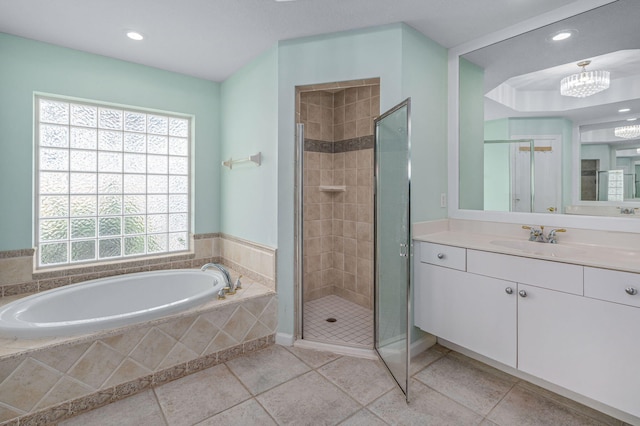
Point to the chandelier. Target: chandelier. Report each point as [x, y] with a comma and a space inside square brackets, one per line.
[627, 132]
[585, 83]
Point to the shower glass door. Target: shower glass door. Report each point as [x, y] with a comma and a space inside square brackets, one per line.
[392, 235]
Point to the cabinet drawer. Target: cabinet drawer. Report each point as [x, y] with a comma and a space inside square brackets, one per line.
[612, 286]
[540, 273]
[441, 255]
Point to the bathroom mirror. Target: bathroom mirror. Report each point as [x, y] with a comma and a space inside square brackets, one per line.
[576, 161]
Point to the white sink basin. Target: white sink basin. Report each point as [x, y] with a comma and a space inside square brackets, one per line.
[540, 249]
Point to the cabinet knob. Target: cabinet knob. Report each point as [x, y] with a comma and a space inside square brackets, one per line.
[440, 255]
[522, 293]
[632, 291]
[508, 290]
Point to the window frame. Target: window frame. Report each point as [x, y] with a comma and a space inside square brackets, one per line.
[37, 195]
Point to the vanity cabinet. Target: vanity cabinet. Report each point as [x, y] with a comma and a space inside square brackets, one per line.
[573, 326]
[469, 310]
[587, 345]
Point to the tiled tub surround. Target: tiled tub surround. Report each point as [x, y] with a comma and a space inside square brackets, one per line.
[338, 226]
[254, 261]
[46, 380]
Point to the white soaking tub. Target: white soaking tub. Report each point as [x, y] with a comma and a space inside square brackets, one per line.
[108, 303]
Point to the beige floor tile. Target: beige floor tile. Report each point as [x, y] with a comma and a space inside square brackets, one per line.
[576, 406]
[267, 368]
[523, 407]
[200, 395]
[427, 407]
[364, 417]
[312, 357]
[249, 412]
[465, 383]
[308, 400]
[363, 379]
[137, 410]
[423, 359]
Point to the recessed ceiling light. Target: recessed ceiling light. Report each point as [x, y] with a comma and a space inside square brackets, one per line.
[561, 36]
[624, 110]
[133, 35]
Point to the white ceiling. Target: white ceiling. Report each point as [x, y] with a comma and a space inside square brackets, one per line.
[212, 39]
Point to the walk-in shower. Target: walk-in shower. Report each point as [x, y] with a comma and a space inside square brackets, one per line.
[335, 211]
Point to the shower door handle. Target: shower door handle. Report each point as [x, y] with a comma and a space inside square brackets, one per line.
[404, 249]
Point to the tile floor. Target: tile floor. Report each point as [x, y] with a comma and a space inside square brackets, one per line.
[353, 325]
[279, 385]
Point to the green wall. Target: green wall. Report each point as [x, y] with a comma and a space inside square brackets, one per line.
[497, 177]
[29, 66]
[249, 120]
[424, 79]
[600, 152]
[471, 136]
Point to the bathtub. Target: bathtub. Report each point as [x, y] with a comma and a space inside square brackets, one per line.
[108, 303]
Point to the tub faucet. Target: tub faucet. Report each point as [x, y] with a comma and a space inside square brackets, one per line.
[228, 285]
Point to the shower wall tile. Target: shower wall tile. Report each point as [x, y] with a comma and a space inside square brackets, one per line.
[349, 230]
[364, 93]
[332, 265]
[350, 95]
[338, 99]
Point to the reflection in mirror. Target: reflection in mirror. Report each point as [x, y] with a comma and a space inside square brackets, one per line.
[531, 87]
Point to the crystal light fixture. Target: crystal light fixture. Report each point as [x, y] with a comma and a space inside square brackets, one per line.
[627, 132]
[585, 83]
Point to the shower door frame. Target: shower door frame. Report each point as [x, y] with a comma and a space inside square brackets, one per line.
[298, 234]
[408, 246]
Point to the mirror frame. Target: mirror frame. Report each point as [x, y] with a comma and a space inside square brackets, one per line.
[601, 223]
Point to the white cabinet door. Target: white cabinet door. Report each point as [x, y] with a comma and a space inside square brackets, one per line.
[588, 346]
[470, 310]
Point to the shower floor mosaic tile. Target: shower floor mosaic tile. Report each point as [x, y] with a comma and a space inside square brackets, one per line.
[353, 323]
[279, 385]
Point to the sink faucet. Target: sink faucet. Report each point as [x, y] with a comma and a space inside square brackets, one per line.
[538, 236]
[228, 285]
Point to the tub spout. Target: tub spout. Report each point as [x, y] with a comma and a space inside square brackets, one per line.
[228, 285]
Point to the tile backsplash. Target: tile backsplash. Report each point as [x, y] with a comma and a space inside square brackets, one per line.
[17, 274]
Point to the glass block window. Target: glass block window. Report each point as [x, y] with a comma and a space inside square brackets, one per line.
[111, 182]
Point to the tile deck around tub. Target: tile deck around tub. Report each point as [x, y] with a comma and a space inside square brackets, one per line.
[279, 385]
[43, 381]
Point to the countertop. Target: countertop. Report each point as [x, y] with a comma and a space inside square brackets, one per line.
[598, 256]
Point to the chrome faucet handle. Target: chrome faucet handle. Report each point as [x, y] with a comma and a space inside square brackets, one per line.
[534, 233]
[552, 238]
[222, 293]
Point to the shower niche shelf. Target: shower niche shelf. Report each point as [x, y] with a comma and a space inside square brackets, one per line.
[333, 188]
